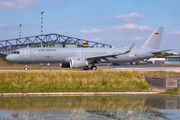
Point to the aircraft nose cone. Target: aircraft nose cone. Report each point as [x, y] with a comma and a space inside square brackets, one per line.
[8, 58]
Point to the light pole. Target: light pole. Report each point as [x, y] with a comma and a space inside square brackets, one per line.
[20, 34]
[41, 26]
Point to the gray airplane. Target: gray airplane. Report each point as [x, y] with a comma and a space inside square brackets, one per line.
[81, 57]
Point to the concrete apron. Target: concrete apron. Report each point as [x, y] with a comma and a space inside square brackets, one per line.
[74, 93]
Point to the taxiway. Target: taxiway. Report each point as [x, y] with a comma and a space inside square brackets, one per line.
[123, 67]
[147, 67]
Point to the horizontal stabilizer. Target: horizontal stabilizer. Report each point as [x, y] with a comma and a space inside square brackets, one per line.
[161, 51]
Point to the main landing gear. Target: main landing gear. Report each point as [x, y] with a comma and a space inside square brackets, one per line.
[92, 68]
[26, 67]
[86, 68]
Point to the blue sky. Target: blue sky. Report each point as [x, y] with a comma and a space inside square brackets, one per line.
[115, 22]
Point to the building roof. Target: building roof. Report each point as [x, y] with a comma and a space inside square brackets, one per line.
[152, 59]
[172, 56]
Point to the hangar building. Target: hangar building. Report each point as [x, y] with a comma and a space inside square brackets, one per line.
[172, 60]
[166, 60]
[156, 60]
[48, 40]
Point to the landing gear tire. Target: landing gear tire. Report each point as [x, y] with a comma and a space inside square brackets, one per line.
[26, 67]
[93, 68]
[86, 68]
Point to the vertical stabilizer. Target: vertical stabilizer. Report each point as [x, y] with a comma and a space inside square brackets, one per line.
[154, 40]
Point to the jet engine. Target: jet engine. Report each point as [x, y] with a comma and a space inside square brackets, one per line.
[78, 63]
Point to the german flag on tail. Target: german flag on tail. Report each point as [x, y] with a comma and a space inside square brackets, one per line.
[156, 34]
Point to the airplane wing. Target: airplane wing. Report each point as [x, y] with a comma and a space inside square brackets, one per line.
[160, 52]
[90, 58]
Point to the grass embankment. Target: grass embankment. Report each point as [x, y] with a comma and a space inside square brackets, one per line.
[74, 81]
[6, 65]
[174, 91]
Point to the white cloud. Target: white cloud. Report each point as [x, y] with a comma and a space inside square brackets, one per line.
[69, 17]
[4, 25]
[74, 0]
[59, 1]
[137, 38]
[85, 31]
[20, 4]
[117, 29]
[175, 33]
[132, 27]
[59, 32]
[130, 17]
[95, 39]
[95, 30]
[92, 31]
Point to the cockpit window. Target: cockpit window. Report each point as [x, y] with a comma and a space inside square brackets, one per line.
[15, 52]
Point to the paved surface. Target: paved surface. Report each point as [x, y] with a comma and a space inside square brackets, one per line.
[147, 67]
[74, 93]
[125, 67]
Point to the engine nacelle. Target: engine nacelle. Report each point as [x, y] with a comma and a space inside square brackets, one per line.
[78, 63]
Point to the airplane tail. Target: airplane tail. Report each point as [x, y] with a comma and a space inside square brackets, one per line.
[154, 40]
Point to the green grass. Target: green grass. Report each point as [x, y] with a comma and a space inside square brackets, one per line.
[172, 91]
[74, 81]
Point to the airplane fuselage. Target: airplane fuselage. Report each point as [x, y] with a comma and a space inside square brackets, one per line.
[63, 55]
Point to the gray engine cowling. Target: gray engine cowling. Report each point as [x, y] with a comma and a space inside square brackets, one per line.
[78, 63]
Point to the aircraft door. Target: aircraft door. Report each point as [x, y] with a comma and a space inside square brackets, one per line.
[142, 53]
[79, 53]
[26, 52]
[108, 52]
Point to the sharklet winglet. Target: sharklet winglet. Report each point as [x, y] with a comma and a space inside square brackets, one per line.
[130, 48]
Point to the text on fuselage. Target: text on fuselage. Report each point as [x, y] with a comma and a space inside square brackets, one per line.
[42, 50]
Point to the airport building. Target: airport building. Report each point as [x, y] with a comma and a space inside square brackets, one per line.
[156, 61]
[172, 60]
[166, 60]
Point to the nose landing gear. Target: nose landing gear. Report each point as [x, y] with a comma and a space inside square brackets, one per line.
[26, 67]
